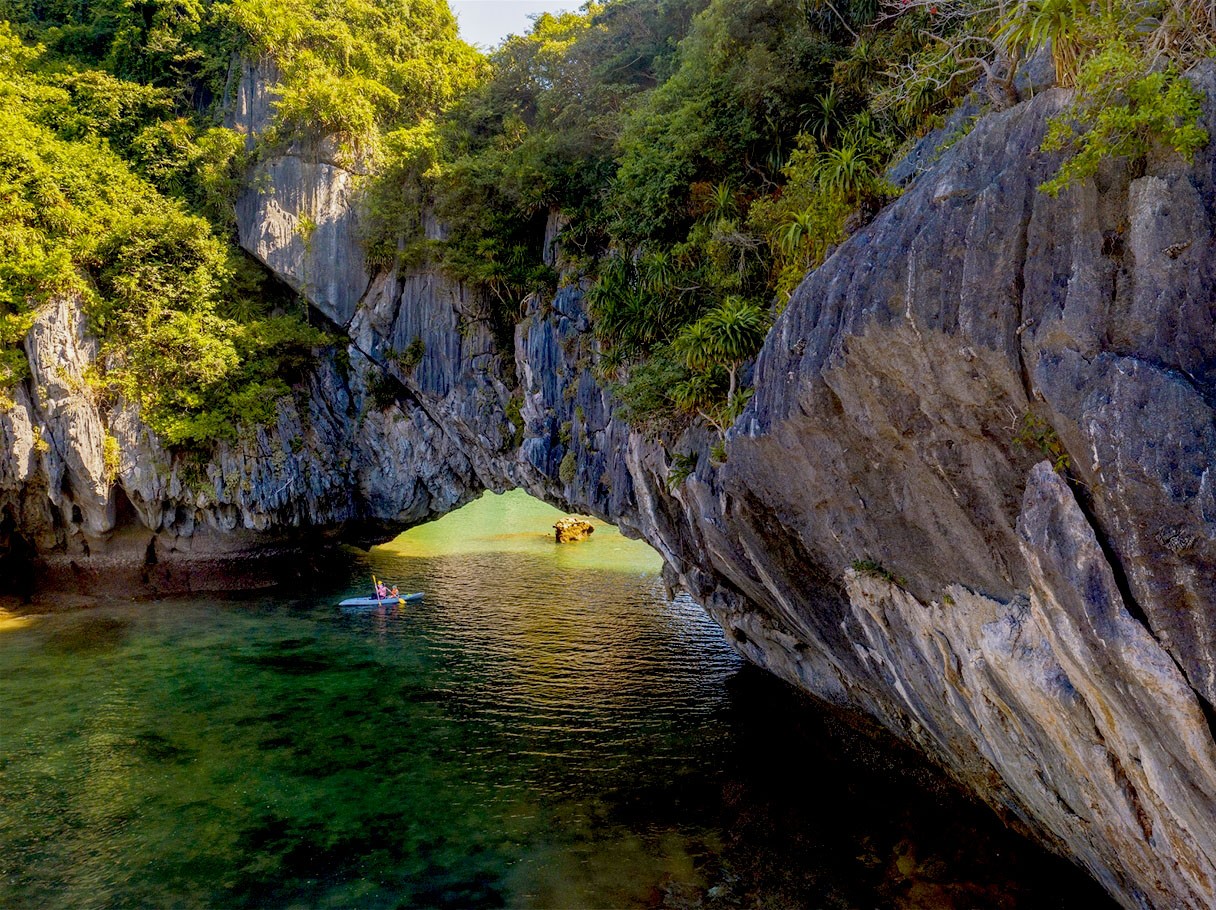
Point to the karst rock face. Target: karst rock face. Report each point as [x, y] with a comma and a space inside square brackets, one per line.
[971, 497]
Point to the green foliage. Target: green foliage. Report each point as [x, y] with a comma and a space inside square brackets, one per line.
[382, 389]
[535, 137]
[804, 222]
[158, 284]
[514, 417]
[111, 457]
[637, 305]
[646, 394]
[1123, 110]
[873, 569]
[94, 104]
[199, 377]
[664, 392]
[1125, 59]
[672, 133]
[725, 336]
[682, 466]
[719, 342]
[567, 469]
[395, 201]
[175, 46]
[1059, 23]
[1036, 433]
[14, 368]
[56, 198]
[218, 162]
[745, 71]
[409, 358]
[355, 67]
[914, 69]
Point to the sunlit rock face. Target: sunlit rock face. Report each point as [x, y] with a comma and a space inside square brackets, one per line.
[572, 530]
[1045, 636]
[105, 506]
[887, 532]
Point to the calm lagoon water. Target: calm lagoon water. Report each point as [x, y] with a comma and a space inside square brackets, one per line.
[545, 730]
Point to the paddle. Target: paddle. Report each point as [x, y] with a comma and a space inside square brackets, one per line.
[376, 587]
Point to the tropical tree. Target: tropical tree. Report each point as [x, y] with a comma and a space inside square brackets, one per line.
[724, 338]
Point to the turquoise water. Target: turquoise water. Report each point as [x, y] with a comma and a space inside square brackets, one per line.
[545, 730]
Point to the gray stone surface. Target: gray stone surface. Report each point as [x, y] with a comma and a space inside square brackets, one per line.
[1017, 697]
[252, 104]
[884, 532]
[297, 213]
[297, 217]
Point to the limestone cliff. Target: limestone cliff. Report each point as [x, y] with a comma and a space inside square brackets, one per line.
[881, 535]
[885, 532]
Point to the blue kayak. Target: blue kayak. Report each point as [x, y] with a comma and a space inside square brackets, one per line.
[385, 602]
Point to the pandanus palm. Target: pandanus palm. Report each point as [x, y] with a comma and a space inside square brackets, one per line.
[722, 202]
[657, 268]
[795, 231]
[845, 168]
[726, 336]
[823, 115]
[1033, 23]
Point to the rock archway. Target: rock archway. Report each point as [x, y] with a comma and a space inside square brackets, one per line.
[885, 532]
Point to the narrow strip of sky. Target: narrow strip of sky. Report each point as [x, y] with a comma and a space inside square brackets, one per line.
[487, 22]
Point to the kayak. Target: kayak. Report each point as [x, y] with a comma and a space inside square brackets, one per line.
[385, 602]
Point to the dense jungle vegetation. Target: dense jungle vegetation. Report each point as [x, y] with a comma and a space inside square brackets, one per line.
[117, 181]
[699, 156]
[703, 155]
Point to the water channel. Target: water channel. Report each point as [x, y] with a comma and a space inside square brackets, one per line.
[545, 729]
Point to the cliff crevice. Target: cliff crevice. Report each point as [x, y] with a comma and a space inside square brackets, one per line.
[889, 530]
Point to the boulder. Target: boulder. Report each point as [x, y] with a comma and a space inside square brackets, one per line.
[570, 530]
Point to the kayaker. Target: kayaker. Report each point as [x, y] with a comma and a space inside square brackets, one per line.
[381, 591]
[394, 591]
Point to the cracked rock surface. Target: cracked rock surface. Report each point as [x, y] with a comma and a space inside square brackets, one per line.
[887, 532]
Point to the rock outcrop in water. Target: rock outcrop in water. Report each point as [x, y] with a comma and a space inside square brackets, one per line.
[572, 530]
[887, 533]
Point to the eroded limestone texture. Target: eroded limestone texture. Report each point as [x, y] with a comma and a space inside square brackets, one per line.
[885, 532]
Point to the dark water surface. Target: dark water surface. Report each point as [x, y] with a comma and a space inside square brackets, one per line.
[545, 730]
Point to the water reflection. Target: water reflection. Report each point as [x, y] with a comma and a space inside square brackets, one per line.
[544, 730]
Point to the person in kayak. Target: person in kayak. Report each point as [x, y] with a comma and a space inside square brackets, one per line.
[381, 591]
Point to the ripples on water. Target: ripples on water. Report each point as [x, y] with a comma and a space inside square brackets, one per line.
[545, 730]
